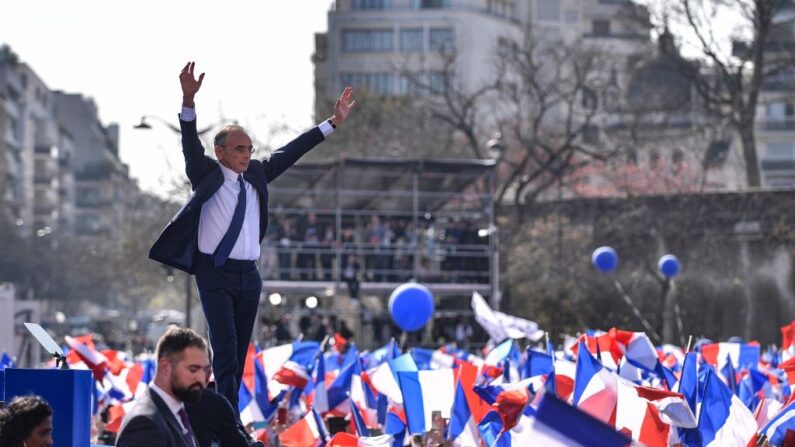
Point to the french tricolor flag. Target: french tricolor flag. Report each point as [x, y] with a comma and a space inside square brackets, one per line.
[309, 431]
[602, 345]
[116, 415]
[638, 349]
[557, 424]
[595, 388]
[742, 355]
[565, 371]
[648, 413]
[273, 359]
[320, 391]
[766, 411]
[788, 341]
[495, 434]
[295, 371]
[384, 379]
[82, 349]
[776, 429]
[463, 429]
[248, 406]
[348, 385]
[425, 392]
[723, 419]
[343, 439]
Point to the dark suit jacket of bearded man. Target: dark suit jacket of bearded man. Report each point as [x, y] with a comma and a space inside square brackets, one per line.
[150, 423]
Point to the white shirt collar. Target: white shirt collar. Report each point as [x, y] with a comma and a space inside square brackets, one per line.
[173, 404]
[228, 173]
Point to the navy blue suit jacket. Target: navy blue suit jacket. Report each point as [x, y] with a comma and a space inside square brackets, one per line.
[177, 245]
[150, 423]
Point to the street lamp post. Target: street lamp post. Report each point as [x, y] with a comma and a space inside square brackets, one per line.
[496, 148]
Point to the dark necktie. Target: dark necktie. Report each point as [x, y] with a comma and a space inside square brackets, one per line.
[228, 241]
[183, 416]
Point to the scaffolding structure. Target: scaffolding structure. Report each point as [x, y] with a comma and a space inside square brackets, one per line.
[358, 228]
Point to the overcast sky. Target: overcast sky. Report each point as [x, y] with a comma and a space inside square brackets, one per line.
[127, 56]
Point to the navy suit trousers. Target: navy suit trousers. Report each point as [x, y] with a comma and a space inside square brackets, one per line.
[230, 297]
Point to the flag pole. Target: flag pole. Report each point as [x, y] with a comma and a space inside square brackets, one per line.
[635, 310]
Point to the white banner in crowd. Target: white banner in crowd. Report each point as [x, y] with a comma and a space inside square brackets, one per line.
[500, 326]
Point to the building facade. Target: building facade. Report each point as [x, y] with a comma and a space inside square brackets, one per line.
[375, 44]
[30, 151]
[775, 122]
[101, 181]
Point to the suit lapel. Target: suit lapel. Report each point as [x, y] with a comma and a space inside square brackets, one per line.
[169, 417]
[254, 176]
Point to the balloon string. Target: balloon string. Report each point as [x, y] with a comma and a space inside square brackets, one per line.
[678, 313]
[635, 310]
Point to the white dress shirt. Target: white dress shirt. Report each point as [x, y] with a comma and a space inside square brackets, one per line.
[216, 214]
[173, 404]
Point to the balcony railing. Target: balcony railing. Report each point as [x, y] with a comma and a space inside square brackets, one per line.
[774, 164]
[777, 125]
[446, 263]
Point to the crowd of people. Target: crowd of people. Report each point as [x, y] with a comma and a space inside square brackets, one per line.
[180, 406]
[377, 330]
[306, 247]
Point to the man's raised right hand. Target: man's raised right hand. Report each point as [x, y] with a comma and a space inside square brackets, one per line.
[189, 84]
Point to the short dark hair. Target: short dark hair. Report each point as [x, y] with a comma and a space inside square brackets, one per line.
[220, 137]
[20, 418]
[177, 339]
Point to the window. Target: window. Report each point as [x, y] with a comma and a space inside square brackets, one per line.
[678, 157]
[431, 4]
[12, 126]
[412, 84]
[571, 16]
[439, 82]
[654, 157]
[780, 150]
[548, 10]
[89, 223]
[589, 99]
[780, 182]
[590, 134]
[505, 47]
[442, 39]
[372, 4]
[411, 39]
[378, 83]
[780, 110]
[88, 196]
[504, 8]
[364, 40]
[424, 83]
[601, 27]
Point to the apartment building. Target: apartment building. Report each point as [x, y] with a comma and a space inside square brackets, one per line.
[775, 122]
[60, 171]
[374, 43]
[101, 180]
[30, 153]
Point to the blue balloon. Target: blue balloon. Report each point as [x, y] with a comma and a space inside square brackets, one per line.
[605, 259]
[411, 306]
[669, 266]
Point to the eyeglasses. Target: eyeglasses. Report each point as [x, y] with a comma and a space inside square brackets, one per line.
[241, 149]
